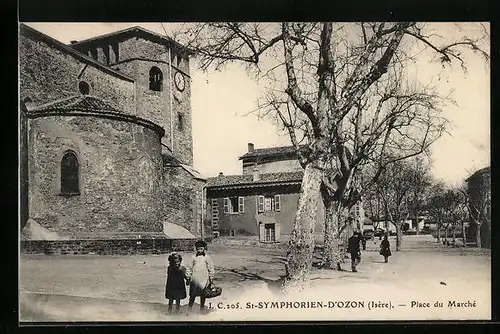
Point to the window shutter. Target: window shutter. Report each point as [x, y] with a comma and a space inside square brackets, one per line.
[226, 205]
[241, 204]
[277, 232]
[261, 203]
[277, 203]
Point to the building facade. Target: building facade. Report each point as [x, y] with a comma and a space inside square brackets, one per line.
[263, 200]
[108, 136]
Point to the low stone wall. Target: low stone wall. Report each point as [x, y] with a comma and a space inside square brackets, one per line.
[106, 247]
[246, 241]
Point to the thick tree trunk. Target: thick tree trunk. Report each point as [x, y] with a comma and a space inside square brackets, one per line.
[446, 235]
[399, 236]
[453, 236]
[332, 254]
[301, 245]
[438, 234]
[464, 237]
[478, 235]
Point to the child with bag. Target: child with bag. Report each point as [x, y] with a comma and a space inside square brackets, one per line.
[175, 288]
[201, 273]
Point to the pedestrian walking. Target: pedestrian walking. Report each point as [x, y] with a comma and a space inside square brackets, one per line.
[363, 241]
[385, 248]
[353, 249]
[201, 272]
[175, 288]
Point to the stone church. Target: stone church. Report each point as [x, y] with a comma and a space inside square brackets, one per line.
[106, 147]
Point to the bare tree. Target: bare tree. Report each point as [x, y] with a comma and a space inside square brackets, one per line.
[478, 195]
[460, 212]
[340, 92]
[374, 207]
[448, 207]
[397, 187]
[420, 189]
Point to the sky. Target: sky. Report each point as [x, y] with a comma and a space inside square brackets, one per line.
[223, 122]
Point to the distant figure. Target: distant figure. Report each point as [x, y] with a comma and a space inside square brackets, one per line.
[175, 288]
[385, 248]
[363, 241]
[200, 271]
[353, 249]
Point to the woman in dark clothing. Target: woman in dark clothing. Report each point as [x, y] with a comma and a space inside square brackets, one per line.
[385, 249]
[353, 249]
[175, 288]
[363, 240]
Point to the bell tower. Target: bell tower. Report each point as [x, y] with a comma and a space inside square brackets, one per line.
[160, 69]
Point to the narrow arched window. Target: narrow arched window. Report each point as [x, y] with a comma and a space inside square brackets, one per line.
[69, 174]
[155, 79]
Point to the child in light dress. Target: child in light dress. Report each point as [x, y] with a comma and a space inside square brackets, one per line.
[200, 271]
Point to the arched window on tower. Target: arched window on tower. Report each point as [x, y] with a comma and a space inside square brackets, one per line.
[155, 79]
[69, 174]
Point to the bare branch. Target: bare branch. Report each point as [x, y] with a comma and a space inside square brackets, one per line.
[293, 89]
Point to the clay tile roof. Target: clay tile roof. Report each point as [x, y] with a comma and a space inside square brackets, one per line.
[28, 31]
[278, 152]
[137, 31]
[270, 151]
[247, 180]
[79, 103]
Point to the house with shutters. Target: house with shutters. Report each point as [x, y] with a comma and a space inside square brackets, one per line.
[263, 200]
[260, 205]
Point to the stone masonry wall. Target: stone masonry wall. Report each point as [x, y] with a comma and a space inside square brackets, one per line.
[106, 247]
[48, 74]
[153, 105]
[146, 49]
[179, 198]
[120, 175]
[183, 137]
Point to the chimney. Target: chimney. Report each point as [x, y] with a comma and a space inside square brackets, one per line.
[221, 174]
[250, 148]
[255, 174]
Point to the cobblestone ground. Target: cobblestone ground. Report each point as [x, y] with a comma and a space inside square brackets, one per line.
[131, 288]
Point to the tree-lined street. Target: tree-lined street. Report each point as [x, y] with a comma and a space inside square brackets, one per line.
[90, 288]
[362, 118]
[349, 99]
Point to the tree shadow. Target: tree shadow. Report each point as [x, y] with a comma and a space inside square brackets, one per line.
[273, 285]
